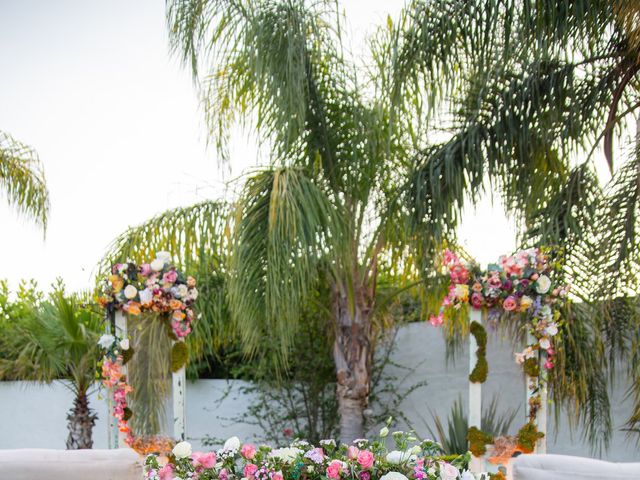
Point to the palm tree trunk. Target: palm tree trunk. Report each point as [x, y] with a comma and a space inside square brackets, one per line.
[352, 356]
[81, 420]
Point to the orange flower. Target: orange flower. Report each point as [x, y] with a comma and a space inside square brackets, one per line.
[117, 282]
[175, 304]
[178, 315]
[133, 308]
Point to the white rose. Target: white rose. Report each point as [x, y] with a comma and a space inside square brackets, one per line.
[146, 296]
[106, 340]
[164, 256]
[448, 472]
[124, 344]
[545, 344]
[543, 284]
[416, 450]
[193, 293]
[552, 329]
[396, 456]
[232, 443]
[182, 450]
[384, 431]
[393, 476]
[157, 265]
[286, 454]
[130, 292]
[467, 475]
[183, 291]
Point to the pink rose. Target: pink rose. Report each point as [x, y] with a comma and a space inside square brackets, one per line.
[166, 472]
[223, 475]
[145, 269]
[436, 321]
[548, 364]
[277, 476]
[248, 451]
[352, 452]
[334, 469]
[365, 459]
[249, 470]
[476, 300]
[170, 277]
[509, 303]
[206, 460]
[459, 274]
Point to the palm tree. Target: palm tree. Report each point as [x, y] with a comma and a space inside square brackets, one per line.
[536, 87]
[326, 211]
[57, 341]
[22, 179]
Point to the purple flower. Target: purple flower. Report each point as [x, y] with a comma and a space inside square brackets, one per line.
[364, 475]
[316, 455]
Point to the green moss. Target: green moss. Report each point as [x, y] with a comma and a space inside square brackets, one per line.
[127, 355]
[170, 332]
[478, 441]
[127, 414]
[528, 436]
[531, 367]
[179, 356]
[481, 368]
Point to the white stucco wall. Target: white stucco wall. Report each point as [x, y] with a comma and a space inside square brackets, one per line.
[35, 415]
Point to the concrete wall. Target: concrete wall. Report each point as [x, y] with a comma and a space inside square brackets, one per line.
[35, 416]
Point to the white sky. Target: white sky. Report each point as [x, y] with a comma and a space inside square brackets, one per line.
[91, 86]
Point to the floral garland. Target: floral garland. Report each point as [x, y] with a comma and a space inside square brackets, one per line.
[155, 287]
[362, 460]
[518, 284]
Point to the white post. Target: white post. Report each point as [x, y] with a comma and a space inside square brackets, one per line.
[475, 390]
[117, 438]
[179, 379]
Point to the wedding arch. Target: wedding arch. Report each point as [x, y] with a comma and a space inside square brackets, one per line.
[156, 290]
[520, 286]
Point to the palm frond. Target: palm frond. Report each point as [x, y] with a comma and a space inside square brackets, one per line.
[285, 226]
[22, 179]
[198, 239]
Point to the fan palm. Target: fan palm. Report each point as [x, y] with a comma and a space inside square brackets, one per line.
[22, 179]
[57, 341]
[536, 87]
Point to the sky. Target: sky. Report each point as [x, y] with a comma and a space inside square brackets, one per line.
[116, 121]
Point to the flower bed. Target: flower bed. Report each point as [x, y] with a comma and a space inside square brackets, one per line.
[362, 460]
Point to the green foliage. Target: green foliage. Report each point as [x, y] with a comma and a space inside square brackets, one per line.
[481, 368]
[22, 179]
[454, 439]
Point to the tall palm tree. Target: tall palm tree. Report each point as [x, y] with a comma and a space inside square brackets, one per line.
[57, 341]
[22, 179]
[537, 87]
[327, 208]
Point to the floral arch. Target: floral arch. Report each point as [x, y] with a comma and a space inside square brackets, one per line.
[523, 287]
[133, 291]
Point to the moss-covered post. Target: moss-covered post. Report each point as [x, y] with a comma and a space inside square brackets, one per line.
[475, 387]
[179, 392]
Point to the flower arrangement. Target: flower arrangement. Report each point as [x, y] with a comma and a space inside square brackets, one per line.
[518, 284]
[156, 287]
[114, 378]
[152, 287]
[362, 460]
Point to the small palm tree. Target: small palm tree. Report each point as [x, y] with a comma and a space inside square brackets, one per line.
[57, 341]
[22, 179]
